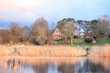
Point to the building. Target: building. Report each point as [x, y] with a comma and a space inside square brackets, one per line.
[57, 35]
[83, 27]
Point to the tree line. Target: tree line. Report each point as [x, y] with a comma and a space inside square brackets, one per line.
[39, 32]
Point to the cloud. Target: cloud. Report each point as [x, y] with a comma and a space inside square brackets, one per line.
[29, 9]
[6, 5]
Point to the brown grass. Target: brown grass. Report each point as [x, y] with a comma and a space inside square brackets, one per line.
[42, 54]
[101, 55]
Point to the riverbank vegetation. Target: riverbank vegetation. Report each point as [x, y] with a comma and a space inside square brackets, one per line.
[68, 31]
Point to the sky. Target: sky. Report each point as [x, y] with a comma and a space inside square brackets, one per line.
[25, 12]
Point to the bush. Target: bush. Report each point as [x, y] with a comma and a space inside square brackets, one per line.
[88, 40]
[39, 41]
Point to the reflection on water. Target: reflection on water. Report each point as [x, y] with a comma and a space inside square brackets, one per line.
[66, 68]
[25, 69]
[41, 68]
[53, 68]
[84, 66]
[89, 67]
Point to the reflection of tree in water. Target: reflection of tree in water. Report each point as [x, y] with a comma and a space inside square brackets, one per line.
[85, 66]
[1, 69]
[13, 64]
[66, 68]
[41, 68]
[25, 68]
[89, 67]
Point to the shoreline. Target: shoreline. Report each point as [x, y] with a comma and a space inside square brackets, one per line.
[54, 54]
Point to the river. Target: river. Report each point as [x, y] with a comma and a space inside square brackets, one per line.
[84, 66]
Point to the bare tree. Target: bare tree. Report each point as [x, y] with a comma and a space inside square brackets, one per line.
[100, 27]
[25, 34]
[104, 25]
[15, 33]
[4, 36]
[40, 31]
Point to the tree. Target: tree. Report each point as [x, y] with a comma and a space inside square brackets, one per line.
[15, 33]
[40, 31]
[104, 24]
[93, 26]
[4, 36]
[67, 27]
[26, 33]
[100, 27]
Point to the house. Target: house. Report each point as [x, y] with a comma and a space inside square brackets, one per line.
[83, 27]
[57, 35]
[79, 31]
